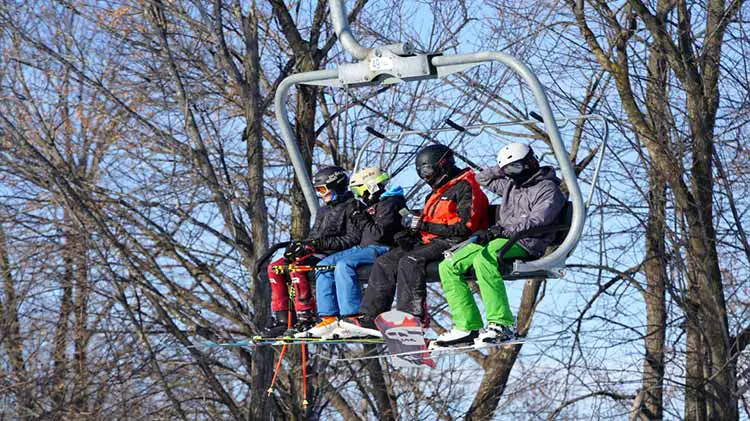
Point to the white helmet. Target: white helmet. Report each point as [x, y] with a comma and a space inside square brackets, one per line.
[513, 152]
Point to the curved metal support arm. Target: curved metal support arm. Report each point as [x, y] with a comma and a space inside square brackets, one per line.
[341, 26]
[557, 257]
[287, 134]
[603, 148]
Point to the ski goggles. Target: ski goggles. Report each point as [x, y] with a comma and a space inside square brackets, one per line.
[358, 191]
[321, 189]
[513, 168]
[426, 172]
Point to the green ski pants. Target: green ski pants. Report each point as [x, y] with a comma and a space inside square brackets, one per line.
[491, 287]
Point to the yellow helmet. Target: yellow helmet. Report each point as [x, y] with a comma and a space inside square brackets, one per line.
[368, 180]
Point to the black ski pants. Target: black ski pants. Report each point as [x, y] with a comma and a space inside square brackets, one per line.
[401, 271]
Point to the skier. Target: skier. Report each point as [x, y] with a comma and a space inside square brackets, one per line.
[338, 291]
[454, 209]
[332, 231]
[531, 198]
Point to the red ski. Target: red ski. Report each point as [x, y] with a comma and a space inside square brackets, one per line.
[403, 333]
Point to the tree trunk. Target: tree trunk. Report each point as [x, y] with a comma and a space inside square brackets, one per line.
[80, 308]
[704, 262]
[656, 316]
[262, 363]
[501, 360]
[385, 399]
[305, 136]
[59, 353]
[655, 269]
[11, 336]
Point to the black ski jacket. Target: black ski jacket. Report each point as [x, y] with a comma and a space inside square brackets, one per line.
[381, 221]
[334, 229]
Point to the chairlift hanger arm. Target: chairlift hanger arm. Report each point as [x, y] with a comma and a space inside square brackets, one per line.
[344, 34]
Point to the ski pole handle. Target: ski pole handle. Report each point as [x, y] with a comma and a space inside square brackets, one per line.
[448, 254]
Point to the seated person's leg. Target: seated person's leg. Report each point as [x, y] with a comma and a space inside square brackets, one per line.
[381, 286]
[325, 287]
[325, 292]
[349, 292]
[492, 287]
[464, 311]
[304, 300]
[378, 297]
[279, 300]
[412, 288]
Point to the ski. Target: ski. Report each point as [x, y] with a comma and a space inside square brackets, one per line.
[292, 340]
[452, 350]
[288, 340]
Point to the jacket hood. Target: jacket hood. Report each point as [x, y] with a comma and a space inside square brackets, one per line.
[393, 191]
[544, 173]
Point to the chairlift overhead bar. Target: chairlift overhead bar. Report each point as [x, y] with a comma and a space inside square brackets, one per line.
[395, 64]
[479, 128]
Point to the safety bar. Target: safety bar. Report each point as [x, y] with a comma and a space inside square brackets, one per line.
[397, 137]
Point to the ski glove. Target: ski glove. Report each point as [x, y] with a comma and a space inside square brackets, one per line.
[406, 240]
[483, 237]
[410, 221]
[360, 217]
[298, 249]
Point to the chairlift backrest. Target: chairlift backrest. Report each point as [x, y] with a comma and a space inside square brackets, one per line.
[564, 219]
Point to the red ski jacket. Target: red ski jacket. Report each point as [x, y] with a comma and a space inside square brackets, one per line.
[454, 210]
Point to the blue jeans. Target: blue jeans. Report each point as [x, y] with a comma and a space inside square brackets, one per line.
[337, 291]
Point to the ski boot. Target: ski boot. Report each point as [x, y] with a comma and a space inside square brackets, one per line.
[454, 337]
[326, 325]
[278, 326]
[495, 334]
[305, 320]
[355, 327]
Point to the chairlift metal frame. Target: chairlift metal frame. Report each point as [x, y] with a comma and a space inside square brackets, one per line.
[399, 63]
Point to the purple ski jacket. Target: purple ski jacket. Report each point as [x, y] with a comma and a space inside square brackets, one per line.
[536, 202]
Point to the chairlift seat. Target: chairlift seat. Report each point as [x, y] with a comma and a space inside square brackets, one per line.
[559, 228]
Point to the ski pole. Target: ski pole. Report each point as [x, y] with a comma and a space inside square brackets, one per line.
[283, 348]
[448, 254]
[292, 293]
[304, 377]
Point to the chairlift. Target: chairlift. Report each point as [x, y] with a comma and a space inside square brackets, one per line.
[399, 63]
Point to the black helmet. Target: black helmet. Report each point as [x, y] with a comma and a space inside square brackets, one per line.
[434, 163]
[331, 179]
